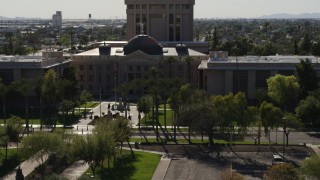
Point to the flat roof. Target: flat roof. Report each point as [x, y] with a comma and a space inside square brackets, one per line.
[118, 51]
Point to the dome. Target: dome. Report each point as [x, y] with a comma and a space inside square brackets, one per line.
[143, 43]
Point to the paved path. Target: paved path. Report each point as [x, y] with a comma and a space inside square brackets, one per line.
[162, 168]
[26, 166]
[75, 170]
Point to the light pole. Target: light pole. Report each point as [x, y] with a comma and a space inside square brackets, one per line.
[284, 138]
[276, 135]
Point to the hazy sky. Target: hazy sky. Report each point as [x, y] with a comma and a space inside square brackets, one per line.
[115, 8]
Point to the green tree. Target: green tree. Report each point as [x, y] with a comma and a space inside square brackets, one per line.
[306, 44]
[270, 116]
[50, 95]
[308, 110]
[296, 48]
[306, 76]
[39, 145]
[169, 60]
[289, 122]
[24, 87]
[311, 167]
[88, 149]
[283, 90]
[144, 106]
[188, 59]
[283, 171]
[4, 139]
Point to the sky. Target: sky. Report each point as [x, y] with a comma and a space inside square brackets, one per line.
[105, 9]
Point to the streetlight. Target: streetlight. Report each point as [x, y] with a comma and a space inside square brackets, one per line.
[284, 137]
[276, 135]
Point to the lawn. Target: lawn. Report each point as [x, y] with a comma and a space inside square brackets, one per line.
[13, 161]
[89, 105]
[148, 120]
[140, 166]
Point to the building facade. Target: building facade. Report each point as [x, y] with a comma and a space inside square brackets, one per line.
[164, 20]
[14, 68]
[57, 20]
[109, 66]
[220, 74]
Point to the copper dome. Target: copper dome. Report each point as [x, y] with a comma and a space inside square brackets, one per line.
[143, 43]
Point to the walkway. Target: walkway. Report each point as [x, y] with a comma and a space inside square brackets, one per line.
[27, 167]
[75, 170]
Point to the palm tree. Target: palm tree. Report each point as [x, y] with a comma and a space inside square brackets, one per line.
[188, 59]
[170, 60]
[3, 91]
[123, 90]
[24, 87]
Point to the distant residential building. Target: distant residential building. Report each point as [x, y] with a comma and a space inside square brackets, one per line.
[164, 20]
[29, 67]
[57, 20]
[220, 74]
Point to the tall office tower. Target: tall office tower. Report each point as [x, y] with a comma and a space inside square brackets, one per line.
[164, 20]
[57, 20]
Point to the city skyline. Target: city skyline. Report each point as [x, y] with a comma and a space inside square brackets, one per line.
[100, 9]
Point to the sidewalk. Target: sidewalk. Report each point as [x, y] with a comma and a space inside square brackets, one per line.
[27, 167]
[75, 170]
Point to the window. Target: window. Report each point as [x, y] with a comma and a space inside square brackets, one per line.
[108, 67]
[185, 6]
[130, 6]
[177, 33]
[171, 19]
[81, 67]
[178, 20]
[157, 6]
[144, 6]
[177, 6]
[138, 68]
[81, 77]
[90, 87]
[171, 6]
[130, 68]
[90, 67]
[146, 68]
[138, 6]
[90, 78]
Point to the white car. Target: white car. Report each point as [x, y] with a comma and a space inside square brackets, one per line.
[277, 159]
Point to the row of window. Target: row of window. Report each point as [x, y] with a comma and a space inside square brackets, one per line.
[159, 6]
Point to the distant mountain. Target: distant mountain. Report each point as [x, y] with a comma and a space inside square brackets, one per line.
[292, 16]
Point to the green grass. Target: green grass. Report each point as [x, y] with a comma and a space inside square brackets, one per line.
[147, 121]
[162, 106]
[140, 166]
[89, 105]
[13, 161]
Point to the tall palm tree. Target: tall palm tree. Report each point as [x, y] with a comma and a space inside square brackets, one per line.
[24, 87]
[188, 59]
[123, 90]
[169, 60]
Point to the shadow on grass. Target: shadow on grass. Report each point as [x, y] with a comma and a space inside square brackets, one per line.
[8, 165]
[123, 168]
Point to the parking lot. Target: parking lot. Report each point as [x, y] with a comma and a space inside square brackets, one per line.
[196, 162]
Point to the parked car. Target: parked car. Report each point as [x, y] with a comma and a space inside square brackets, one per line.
[277, 159]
